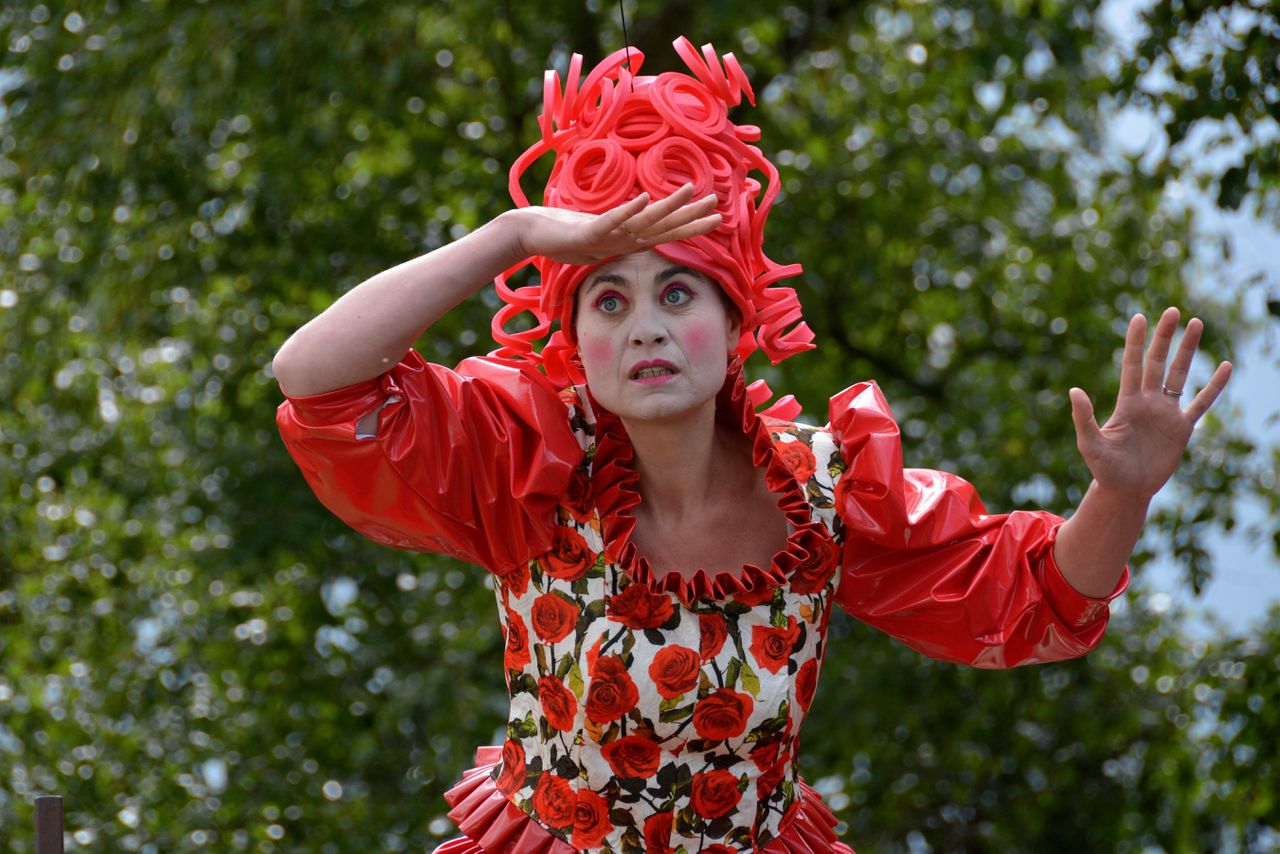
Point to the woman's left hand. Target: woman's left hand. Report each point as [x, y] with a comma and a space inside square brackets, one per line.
[1141, 444]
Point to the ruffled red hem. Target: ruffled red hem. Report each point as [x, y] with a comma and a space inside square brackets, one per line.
[615, 483]
[491, 824]
[812, 829]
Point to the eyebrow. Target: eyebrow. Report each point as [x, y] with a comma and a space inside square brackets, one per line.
[616, 279]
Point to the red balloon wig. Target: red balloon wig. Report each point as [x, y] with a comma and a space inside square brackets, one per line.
[616, 135]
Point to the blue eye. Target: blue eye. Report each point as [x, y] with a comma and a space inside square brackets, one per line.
[676, 295]
[609, 303]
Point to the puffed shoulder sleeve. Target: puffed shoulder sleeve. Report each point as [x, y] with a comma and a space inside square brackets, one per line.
[923, 561]
[466, 462]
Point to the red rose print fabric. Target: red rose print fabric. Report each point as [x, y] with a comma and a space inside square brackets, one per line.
[675, 671]
[612, 693]
[712, 634]
[634, 756]
[558, 703]
[771, 646]
[659, 720]
[640, 608]
[554, 617]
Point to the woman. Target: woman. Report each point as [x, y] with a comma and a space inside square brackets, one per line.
[666, 558]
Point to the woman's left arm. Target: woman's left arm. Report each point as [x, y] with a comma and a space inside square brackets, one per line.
[1134, 454]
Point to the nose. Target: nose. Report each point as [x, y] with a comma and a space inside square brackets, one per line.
[647, 326]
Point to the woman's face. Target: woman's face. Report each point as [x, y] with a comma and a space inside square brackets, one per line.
[654, 337]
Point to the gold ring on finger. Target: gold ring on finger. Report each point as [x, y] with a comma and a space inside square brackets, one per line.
[1170, 392]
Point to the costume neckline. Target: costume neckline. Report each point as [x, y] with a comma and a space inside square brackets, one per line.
[615, 483]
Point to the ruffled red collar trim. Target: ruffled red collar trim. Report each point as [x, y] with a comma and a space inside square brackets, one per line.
[615, 483]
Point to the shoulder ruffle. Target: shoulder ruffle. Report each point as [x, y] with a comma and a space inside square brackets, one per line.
[467, 462]
[615, 483]
[871, 445]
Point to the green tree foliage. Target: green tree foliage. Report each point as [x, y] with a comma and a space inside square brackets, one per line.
[196, 654]
[1213, 65]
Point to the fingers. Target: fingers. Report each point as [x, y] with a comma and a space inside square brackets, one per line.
[640, 223]
[1131, 362]
[1181, 365]
[1158, 352]
[670, 218]
[699, 226]
[649, 224]
[1087, 431]
[609, 220]
[1152, 369]
[1200, 405]
[643, 220]
[680, 217]
[1153, 375]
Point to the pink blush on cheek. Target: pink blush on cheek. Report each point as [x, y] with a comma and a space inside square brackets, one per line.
[700, 339]
[596, 350]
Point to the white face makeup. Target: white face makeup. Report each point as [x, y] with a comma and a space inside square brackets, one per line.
[654, 337]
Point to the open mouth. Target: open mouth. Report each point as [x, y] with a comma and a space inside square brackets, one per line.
[649, 373]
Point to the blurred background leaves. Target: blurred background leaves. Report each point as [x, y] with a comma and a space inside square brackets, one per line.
[196, 655]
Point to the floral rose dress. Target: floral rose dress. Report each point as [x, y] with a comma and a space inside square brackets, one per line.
[663, 715]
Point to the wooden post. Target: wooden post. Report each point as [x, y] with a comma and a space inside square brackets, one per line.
[49, 825]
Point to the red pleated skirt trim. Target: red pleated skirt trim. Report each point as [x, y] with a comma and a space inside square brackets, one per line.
[491, 824]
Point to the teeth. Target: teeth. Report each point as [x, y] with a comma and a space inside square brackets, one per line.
[653, 372]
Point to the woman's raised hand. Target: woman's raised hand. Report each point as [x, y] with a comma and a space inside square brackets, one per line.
[1141, 444]
[571, 237]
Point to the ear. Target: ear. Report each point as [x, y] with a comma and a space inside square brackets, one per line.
[733, 330]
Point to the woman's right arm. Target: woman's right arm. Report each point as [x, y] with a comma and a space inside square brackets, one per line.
[372, 326]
